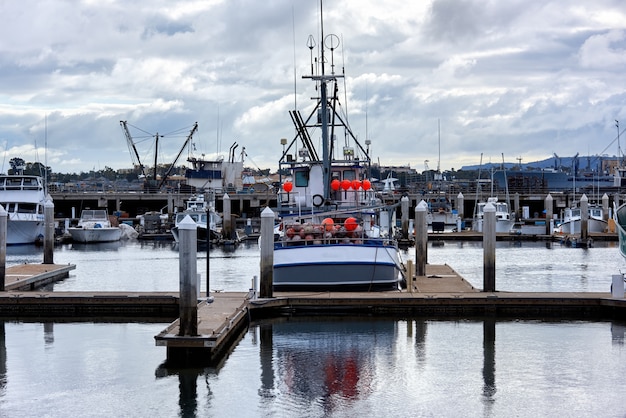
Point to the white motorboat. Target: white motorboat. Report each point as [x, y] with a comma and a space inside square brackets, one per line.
[504, 220]
[572, 219]
[23, 197]
[94, 225]
[199, 209]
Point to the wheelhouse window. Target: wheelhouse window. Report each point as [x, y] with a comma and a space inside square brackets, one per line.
[349, 175]
[301, 178]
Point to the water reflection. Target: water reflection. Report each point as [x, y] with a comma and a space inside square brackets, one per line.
[97, 246]
[188, 387]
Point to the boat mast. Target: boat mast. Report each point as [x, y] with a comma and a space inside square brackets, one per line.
[324, 119]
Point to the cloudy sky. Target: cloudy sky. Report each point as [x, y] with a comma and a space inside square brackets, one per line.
[521, 78]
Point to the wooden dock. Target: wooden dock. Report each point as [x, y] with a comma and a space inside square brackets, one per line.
[442, 292]
[30, 276]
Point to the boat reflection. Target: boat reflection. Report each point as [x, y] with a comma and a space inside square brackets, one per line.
[97, 246]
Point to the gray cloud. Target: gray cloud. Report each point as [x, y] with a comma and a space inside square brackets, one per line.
[521, 78]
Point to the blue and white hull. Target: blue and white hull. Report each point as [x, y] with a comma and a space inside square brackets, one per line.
[339, 267]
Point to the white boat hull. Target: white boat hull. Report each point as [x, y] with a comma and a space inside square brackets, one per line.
[573, 226]
[95, 234]
[503, 226]
[24, 231]
[336, 267]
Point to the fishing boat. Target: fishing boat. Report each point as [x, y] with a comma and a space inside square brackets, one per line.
[94, 225]
[336, 232]
[23, 197]
[199, 209]
[572, 219]
[504, 220]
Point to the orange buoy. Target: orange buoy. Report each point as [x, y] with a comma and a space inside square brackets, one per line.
[350, 224]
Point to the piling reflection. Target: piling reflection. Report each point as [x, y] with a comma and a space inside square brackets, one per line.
[188, 386]
[618, 332]
[489, 360]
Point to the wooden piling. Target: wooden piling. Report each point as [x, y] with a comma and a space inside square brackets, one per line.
[188, 277]
[267, 253]
[404, 206]
[227, 230]
[584, 217]
[605, 207]
[489, 248]
[421, 238]
[48, 234]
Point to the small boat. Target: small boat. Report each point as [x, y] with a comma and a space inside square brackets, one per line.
[199, 209]
[94, 225]
[337, 233]
[440, 216]
[572, 219]
[619, 216]
[504, 220]
[23, 197]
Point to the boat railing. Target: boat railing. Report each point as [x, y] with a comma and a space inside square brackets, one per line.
[325, 233]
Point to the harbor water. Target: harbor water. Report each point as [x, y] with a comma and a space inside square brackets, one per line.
[401, 367]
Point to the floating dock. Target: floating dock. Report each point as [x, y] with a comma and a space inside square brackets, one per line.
[442, 292]
[31, 276]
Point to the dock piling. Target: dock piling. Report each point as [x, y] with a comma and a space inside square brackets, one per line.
[584, 217]
[48, 233]
[421, 238]
[3, 246]
[404, 206]
[188, 277]
[267, 253]
[227, 230]
[548, 205]
[489, 248]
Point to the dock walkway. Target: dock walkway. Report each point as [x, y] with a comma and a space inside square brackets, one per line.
[442, 292]
[30, 276]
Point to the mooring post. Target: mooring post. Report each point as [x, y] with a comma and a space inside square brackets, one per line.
[489, 248]
[516, 206]
[227, 232]
[404, 206]
[3, 246]
[188, 277]
[48, 232]
[460, 208]
[421, 238]
[605, 207]
[549, 207]
[267, 253]
[584, 217]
